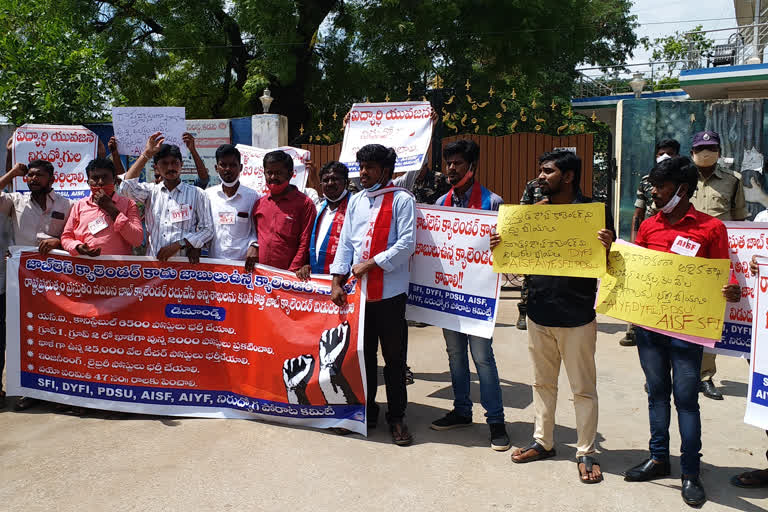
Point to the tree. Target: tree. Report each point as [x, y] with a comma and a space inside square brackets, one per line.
[50, 70]
[678, 49]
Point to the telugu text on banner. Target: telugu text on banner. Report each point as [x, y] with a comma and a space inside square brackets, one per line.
[134, 125]
[137, 335]
[406, 127]
[453, 284]
[757, 397]
[68, 148]
[252, 174]
[680, 294]
[551, 240]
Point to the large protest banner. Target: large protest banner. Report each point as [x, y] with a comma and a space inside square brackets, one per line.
[745, 239]
[252, 174]
[453, 284]
[209, 134]
[757, 396]
[68, 148]
[555, 240]
[138, 335]
[134, 125]
[406, 127]
[667, 291]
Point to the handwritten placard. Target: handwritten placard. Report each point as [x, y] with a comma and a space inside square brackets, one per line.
[666, 291]
[134, 125]
[552, 240]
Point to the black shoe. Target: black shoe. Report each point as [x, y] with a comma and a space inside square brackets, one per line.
[521, 324]
[708, 389]
[627, 341]
[647, 470]
[451, 420]
[693, 492]
[25, 402]
[408, 376]
[499, 438]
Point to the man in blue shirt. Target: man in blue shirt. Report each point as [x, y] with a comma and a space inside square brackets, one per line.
[376, 242]
[461, 164]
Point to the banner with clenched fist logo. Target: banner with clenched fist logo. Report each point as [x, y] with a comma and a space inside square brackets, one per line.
[138, 335]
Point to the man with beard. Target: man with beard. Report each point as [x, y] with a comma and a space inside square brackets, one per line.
[377, 241]
[37, 219]
[283, 218]
[562, 328]
[177, 215]
[234, 235]
[461, 164]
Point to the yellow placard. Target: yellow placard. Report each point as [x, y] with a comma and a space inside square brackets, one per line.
[551, 240]
[664, 291]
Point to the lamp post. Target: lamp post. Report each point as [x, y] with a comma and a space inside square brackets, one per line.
[266, 100]
[637, 83]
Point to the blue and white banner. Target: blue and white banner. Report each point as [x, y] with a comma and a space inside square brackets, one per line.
[757, 398]
[453, 284]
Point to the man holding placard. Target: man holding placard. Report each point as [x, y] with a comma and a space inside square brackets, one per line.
[678, 228]
[562, 326]
[461, 159]
[178, 215]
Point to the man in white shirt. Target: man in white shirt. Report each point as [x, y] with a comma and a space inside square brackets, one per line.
[177, 215]
[231, 206]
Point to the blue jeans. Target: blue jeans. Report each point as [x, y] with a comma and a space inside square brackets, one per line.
[660, 354]
[458, 361]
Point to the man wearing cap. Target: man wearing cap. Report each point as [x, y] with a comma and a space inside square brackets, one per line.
[721, 195]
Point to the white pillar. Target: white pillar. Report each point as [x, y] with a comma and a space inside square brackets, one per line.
[269, 131]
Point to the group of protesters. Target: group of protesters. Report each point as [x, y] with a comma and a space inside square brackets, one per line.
[372, 233]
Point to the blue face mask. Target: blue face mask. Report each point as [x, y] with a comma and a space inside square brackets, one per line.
[374, 188]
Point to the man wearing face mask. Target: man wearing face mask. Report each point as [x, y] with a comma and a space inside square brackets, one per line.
[177, 215]
[721, 195]
[678, 228]
[283, 218]
[103, 223]
[376, 242]
[334, 179]
[644, 209]
[37, 219]
[460, 162]
[234, 235]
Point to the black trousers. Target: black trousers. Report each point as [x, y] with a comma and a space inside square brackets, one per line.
[385, 323]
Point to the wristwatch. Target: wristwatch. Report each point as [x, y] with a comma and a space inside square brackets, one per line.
[254, 244]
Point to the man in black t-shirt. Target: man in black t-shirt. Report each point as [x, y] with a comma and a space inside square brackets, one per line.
[562, 327]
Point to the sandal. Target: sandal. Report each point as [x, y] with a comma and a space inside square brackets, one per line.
[339, 431]
[400, 434]
[541, 453]
[588, 462]
[751, 479]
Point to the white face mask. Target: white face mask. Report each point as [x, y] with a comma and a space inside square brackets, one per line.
[705, 158]
[341, 196]
[230, 185]
[667, 208]
[662, 157]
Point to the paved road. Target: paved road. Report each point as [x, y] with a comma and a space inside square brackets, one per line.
[110, 462]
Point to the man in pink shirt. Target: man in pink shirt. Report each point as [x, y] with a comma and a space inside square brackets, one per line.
[104, 223]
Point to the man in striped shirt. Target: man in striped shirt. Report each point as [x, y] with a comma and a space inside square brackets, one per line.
[178, 215]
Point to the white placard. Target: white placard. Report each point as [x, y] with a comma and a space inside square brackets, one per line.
[406, 127]
[252, 174]
[453, 284]
[209, 134]
[757, 397]
[134, 125]
[69, 148]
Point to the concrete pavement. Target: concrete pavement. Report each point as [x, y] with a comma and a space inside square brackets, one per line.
[106, 461]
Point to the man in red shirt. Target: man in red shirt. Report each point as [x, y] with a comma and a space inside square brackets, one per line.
[679, 228]
[283, 219]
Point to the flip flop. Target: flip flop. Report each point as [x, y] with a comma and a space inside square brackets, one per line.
[588, 461]
[400, 434]
[541, 453]
[759, 479]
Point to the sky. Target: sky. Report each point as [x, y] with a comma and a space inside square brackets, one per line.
[659, 18]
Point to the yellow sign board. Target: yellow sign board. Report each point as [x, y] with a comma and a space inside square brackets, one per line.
[551, 240]
[664, 291]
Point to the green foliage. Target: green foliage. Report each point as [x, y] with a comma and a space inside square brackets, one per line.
[50, 71]
[678, 47]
